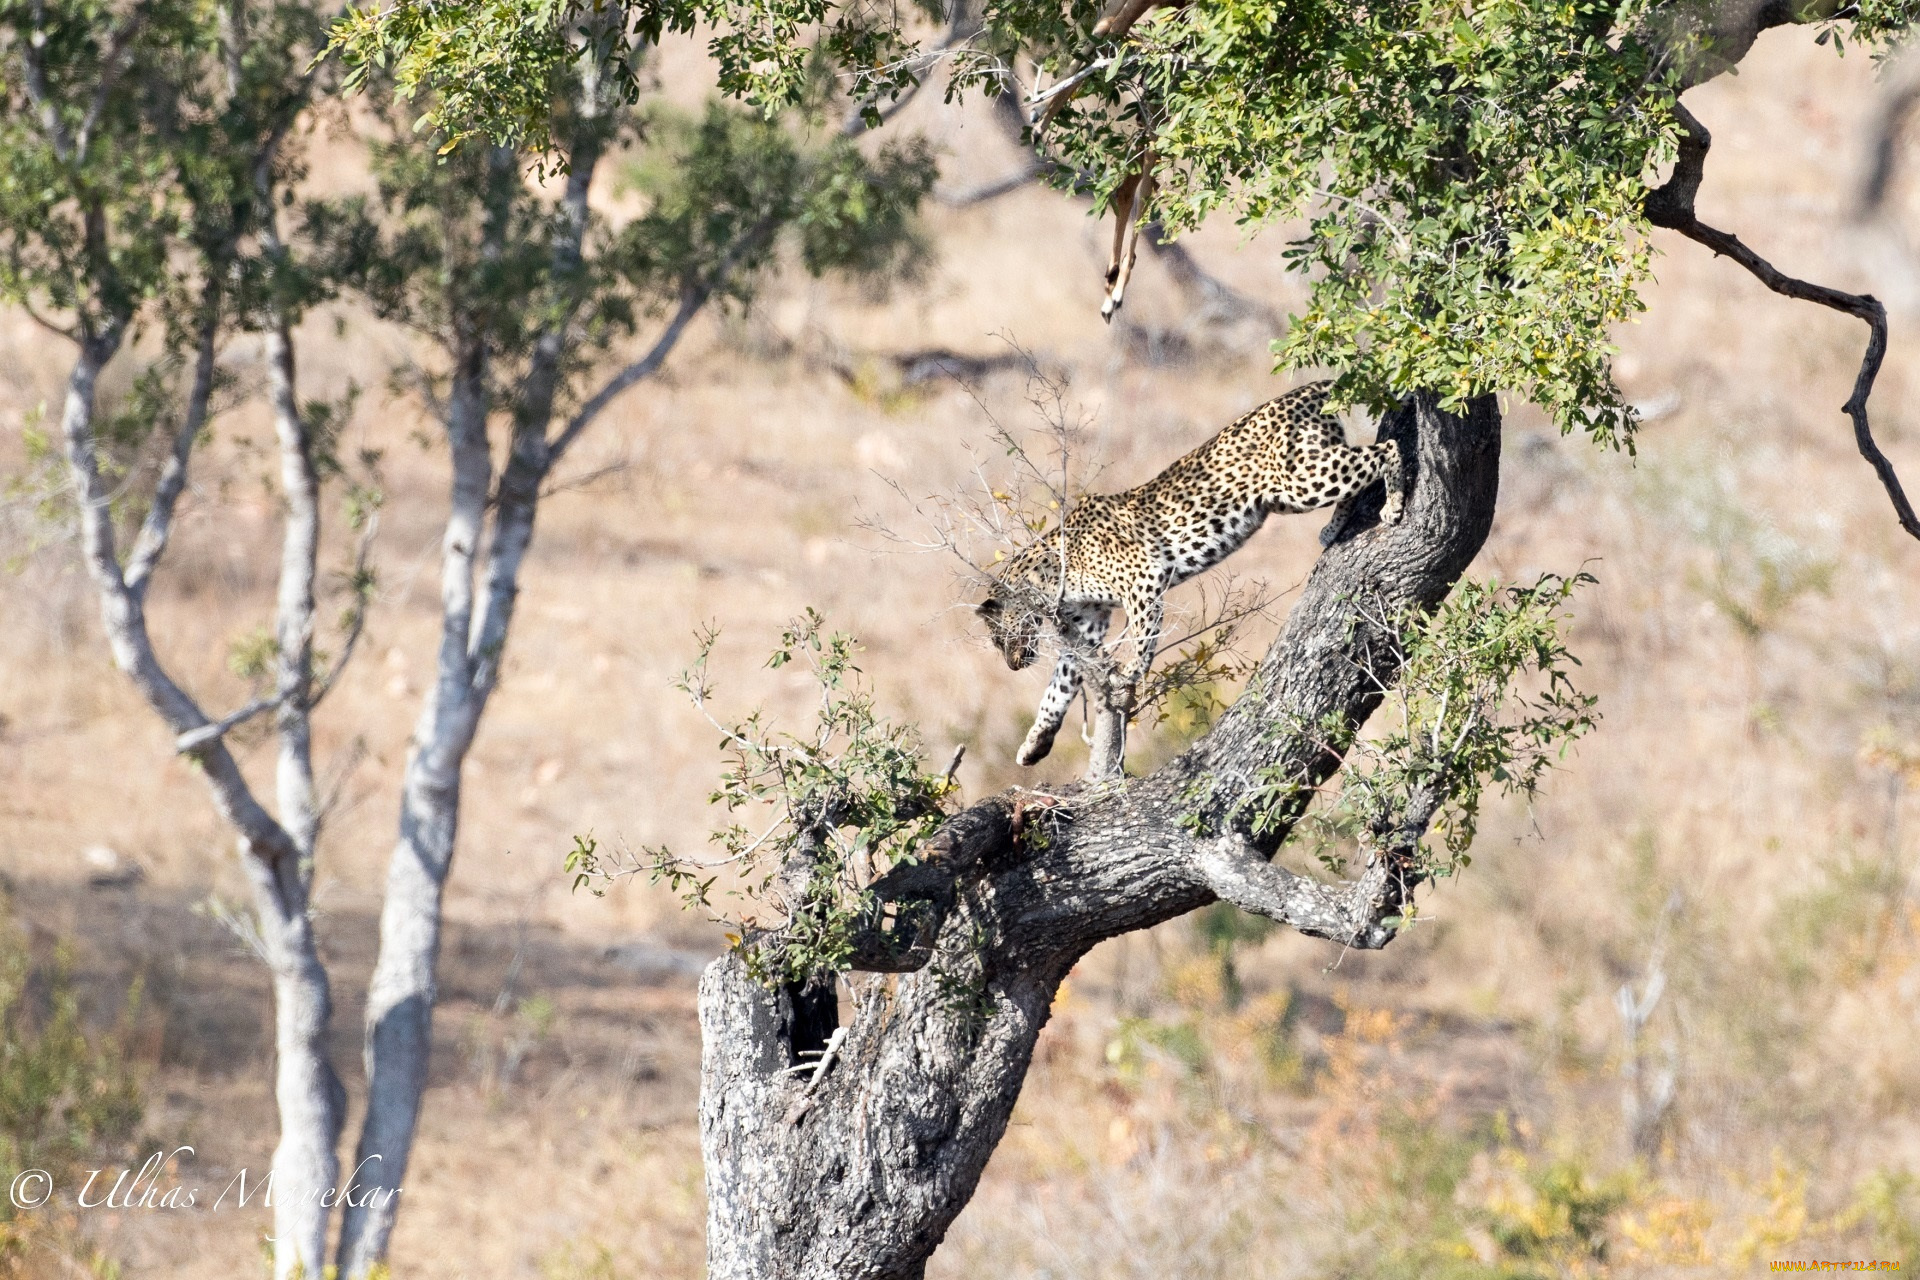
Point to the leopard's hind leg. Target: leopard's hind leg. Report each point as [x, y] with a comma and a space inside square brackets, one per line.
[1382, 462]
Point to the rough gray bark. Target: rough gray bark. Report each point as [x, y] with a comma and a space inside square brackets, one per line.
[856, 1164]
[1107, 756]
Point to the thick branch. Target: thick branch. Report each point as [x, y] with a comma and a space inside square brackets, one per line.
[1365, 914]
[1671, 206]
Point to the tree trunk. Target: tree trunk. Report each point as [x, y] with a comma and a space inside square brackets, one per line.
[311, 1100]
[277, 857]
[474, 629]
[400, 1011]
[399, 1018]
[857, 1167]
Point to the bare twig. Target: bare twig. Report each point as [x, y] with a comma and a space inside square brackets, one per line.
[962, 27]
[335, 786]
[586, 478]
[51, 326]
[206, 735]
[953, 765]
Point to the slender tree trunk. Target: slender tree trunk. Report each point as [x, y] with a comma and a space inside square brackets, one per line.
[399, 1019]
[277, 859]
[311, 1098]
[474, 631]
[856, 1169]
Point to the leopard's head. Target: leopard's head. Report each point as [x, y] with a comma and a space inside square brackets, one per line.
[1014, 627]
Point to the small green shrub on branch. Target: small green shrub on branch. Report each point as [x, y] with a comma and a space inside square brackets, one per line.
[1483, 695]
[811, 820]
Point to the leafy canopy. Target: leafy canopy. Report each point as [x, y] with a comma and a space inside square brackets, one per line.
[457, 247]
[129, 142]
[1470, 173]
[484, 68]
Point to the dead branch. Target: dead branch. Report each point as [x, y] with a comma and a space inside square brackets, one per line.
[1671, 206]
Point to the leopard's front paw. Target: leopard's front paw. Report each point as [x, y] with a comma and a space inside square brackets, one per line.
[1034, 749]
[1396, 507]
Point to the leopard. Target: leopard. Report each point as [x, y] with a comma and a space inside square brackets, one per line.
[1127, 550]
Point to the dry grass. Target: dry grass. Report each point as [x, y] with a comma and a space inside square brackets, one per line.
[1737, 803]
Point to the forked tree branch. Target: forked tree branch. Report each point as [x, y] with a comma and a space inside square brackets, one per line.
[1671, 206]
[697, 291]
[1366, 914]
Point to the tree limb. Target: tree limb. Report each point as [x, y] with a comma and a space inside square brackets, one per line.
[38, 91]
[1671, 206]
[1364, 914]
[113, 64]
[692, 299]
[195, 740]
[151, 542]
[963, 24]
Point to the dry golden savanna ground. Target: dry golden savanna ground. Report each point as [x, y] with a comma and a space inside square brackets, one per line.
[1743, 821]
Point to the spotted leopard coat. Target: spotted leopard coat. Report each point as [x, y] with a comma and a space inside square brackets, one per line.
[1127, 550]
